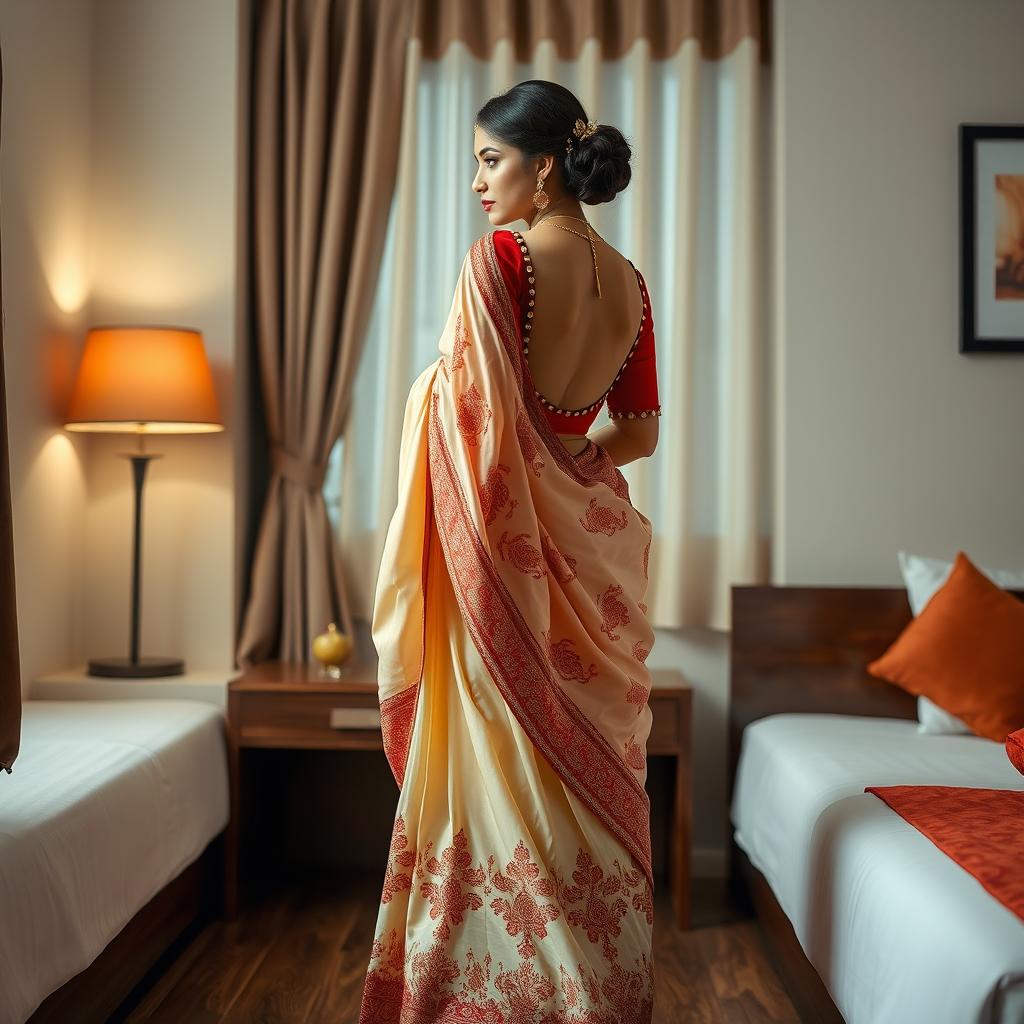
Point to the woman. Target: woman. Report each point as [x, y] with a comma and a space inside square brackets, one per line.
[509, 616]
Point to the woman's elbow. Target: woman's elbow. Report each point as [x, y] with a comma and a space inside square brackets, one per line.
[648, 435]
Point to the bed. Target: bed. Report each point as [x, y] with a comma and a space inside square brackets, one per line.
[866, 919]
[106, 852]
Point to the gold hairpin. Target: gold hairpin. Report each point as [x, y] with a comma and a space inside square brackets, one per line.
[582, 131]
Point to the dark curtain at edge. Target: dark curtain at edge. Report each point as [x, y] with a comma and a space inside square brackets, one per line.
[10, 657]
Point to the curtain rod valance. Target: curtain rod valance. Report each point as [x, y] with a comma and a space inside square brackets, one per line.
[718, 25]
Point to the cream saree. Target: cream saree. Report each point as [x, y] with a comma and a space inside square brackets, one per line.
[512, 638]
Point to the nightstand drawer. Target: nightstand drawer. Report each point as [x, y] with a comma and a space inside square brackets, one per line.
[664, 736]
[326, 720]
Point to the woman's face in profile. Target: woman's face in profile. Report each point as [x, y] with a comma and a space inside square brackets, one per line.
[503, 185]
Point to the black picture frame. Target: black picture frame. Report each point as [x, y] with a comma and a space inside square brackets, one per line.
[970, 338]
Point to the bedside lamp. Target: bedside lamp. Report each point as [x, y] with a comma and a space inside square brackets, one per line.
[142, 380]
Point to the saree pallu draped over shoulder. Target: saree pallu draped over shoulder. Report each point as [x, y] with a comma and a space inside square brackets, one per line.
[512, 639]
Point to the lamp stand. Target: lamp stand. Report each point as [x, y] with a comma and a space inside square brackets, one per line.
[133, 665]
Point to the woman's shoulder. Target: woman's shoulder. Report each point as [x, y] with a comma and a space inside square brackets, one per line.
[510, 259]
[505, 243]
[506, 246]
[500, 236]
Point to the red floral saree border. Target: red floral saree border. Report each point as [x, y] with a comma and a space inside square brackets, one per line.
[584, 760]
[397, 715]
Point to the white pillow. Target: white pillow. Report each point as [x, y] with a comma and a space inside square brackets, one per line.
[922, 577]
[933, 719]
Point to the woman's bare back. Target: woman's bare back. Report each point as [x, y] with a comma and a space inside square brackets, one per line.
[578, 341]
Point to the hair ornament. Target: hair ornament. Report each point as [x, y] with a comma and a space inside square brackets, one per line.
[581, 131]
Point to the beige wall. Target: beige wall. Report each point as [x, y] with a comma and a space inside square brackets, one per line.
[888, 437]
[44, 213]
[118, 180]
[163, 251]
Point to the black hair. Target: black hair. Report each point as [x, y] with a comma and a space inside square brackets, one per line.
[537, 117]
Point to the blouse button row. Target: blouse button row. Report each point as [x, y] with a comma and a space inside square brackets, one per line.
[635, 415]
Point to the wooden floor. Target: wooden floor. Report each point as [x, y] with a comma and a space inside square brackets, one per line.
[300, 955]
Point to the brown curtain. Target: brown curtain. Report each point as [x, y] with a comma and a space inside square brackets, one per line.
[718, 25]
[10, 659]
[325, 103]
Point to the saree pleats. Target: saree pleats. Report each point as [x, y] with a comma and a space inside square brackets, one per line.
[511, 634]
[505, 898]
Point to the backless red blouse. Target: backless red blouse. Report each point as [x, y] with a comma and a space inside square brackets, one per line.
[633, 392]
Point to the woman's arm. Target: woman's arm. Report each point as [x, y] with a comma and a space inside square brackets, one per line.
[627, 440]
[633, 406]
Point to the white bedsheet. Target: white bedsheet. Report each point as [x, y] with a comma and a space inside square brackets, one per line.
[898, 931]
[108, 801]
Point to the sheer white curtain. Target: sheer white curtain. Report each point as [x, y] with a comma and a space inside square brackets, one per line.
[692, 220]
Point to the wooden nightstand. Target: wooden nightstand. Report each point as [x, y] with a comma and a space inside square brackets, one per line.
[285, 705]
[671, 733]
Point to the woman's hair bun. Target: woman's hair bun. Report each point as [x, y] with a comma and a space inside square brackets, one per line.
[597, 168]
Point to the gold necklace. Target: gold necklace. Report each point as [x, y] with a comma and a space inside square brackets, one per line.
[589, 236]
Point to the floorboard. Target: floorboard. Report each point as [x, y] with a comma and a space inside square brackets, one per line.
[299, 956]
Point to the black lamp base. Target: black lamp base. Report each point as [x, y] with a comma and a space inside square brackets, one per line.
[144, 668]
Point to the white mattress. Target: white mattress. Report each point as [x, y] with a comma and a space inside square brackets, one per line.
[898, 931]
[108, 801]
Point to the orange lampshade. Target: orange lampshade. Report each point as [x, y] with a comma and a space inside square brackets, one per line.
[152, 380]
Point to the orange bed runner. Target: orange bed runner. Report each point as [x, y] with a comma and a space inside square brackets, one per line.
[981, 829]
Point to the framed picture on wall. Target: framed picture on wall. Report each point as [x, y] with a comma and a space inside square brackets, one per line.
[991, 238]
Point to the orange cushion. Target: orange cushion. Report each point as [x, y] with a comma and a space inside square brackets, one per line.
[964, 652]
[1015, 749]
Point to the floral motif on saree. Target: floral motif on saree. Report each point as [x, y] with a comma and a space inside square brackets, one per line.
[416, 986]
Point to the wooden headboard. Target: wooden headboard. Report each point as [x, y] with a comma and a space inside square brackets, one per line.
[806, 648]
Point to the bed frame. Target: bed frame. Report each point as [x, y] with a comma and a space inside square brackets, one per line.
[140, 951]
[805, 649]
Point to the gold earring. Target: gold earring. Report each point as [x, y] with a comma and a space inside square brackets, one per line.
[540, 197]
